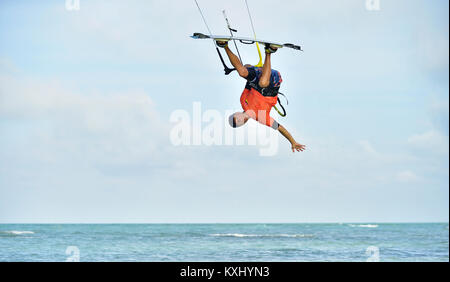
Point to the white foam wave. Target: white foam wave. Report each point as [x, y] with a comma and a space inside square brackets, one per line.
[14, 232]
[364, 225]
[239, 235]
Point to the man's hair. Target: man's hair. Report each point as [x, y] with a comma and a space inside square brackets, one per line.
[232, 121]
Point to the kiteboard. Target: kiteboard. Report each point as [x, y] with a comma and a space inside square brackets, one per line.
[244, 40]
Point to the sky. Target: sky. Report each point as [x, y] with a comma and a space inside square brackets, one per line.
[87, 95]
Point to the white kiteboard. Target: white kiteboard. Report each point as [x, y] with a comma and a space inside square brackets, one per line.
[244, 40]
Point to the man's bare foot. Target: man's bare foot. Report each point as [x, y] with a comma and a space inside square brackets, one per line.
[222, 44]
[270, 48]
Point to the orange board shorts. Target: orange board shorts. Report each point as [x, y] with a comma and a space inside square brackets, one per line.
[258, 106]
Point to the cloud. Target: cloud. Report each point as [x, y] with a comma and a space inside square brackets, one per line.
[439, 111]
[406, 176]
[7, 66]
[433, 141]
[368, 148]
[432, 48]
[121, 127]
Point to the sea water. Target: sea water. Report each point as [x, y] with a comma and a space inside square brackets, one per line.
[225, 242]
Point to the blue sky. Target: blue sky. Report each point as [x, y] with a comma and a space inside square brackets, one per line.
[86, 96]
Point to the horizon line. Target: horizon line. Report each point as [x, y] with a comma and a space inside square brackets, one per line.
[346, 222]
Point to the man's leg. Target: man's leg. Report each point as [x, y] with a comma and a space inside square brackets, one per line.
[243, 72]
[264, 80]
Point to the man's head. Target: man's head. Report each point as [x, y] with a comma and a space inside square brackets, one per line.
[238, 119]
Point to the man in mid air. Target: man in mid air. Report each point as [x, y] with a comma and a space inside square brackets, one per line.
[260, 94]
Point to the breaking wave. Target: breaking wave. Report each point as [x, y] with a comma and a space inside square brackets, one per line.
[364, 225]
[239, 235]
[15, 233]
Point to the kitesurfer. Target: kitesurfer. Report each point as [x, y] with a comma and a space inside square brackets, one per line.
[260, 93]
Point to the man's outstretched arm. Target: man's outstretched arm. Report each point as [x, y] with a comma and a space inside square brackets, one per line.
[288, 136]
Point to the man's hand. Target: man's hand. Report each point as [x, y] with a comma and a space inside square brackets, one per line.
[295, 145]
[298, 147]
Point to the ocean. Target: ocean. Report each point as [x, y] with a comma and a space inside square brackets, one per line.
[225, 242]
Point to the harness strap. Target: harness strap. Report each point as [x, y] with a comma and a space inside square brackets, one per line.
[287, 101]
[279, 102]
[225, 67]
[284, 111]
